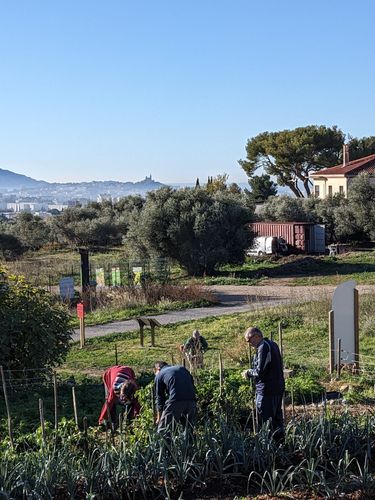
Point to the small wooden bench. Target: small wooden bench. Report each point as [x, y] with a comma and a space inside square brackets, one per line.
[152, 323]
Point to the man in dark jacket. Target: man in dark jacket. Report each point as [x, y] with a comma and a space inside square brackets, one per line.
[175, 395]
[268, 374]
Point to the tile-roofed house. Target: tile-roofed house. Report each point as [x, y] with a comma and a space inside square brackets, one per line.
[330, 181]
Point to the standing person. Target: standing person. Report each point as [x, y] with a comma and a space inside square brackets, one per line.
[268, 374]
[175, 395]
[120, 388]
[194, 348]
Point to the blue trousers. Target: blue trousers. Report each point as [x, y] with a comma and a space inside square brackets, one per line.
[269, 408]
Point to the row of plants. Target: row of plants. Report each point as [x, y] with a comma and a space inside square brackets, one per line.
[327, 455]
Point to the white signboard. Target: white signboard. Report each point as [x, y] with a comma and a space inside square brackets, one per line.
[66, 286]
[344, 322]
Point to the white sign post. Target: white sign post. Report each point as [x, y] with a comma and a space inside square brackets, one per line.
[343, 322]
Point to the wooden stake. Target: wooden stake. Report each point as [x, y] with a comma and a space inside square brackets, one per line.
[85, 426]
[331, 339]
[281, 339]
[82, 332]
[292, 397]
[42, 422]
[221, 374]
[141, 335]
[85, 442]
[152, 335]
[75, 406]
[10, 426]
[356, 331]
[55, 399]
[338, 358]
[153, 402]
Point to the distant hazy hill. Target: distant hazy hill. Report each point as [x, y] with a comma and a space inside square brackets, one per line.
[10, 180]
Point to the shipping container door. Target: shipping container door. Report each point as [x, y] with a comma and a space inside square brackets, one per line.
[319, 238]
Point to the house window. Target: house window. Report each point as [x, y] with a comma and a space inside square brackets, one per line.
[330, 191]
[341, 189]
[317, 191]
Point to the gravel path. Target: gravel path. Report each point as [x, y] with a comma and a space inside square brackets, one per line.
[232, 299]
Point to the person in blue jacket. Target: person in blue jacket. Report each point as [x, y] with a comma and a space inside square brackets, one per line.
[268, 375]
[175, 395]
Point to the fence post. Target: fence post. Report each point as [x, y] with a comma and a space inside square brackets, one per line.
[55, 399]
[10, 426]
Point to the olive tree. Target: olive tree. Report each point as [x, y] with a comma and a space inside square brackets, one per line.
[198, 229]
[35, 331]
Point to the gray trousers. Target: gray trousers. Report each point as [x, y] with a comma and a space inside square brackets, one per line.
[183, 412]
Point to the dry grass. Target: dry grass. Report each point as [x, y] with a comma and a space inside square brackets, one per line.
[150, 294]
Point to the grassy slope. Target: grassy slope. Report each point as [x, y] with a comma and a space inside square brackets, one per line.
[303, 270]
[305, 340]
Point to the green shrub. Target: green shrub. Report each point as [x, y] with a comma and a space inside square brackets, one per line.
[305, 387]
[35, 330]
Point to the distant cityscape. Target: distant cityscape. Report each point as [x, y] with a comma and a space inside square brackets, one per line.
[19, 193]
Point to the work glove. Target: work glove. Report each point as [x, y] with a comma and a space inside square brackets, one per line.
[245, 374]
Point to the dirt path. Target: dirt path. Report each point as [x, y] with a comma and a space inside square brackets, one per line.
[232, 299]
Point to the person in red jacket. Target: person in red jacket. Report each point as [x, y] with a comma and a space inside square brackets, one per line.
[120, 389]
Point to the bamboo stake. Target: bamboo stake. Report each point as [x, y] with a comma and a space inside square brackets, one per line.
[75, 406]
[42, 422]
[55, 400]
[10, 426]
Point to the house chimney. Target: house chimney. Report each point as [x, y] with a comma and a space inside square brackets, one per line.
[345, 154]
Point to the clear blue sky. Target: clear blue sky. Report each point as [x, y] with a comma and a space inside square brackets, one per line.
[111, 89]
